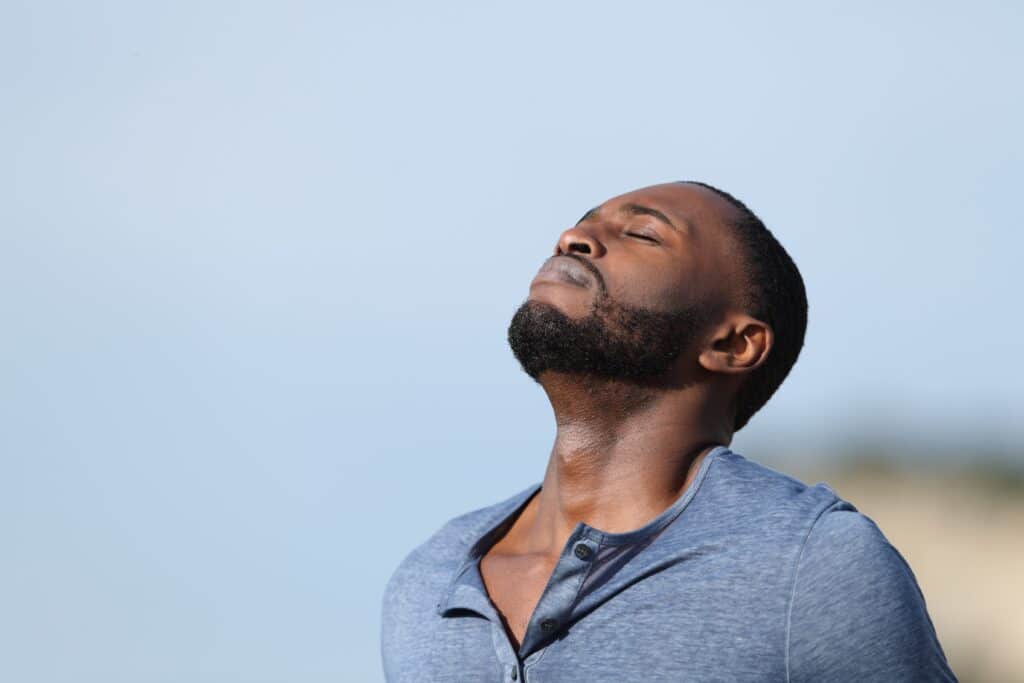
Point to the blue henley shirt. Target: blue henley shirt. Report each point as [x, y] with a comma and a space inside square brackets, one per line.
[750, 575]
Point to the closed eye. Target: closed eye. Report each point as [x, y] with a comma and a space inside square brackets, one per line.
[642, 237]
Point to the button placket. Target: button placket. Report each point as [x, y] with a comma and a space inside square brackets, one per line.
[554, 609]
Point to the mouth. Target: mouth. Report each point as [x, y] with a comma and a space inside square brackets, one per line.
[564, 270]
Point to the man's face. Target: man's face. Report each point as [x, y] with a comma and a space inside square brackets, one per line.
[631, 286]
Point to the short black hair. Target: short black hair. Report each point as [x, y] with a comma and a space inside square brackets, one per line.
[773, 292]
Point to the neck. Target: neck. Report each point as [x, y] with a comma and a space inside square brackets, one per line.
[623, 453]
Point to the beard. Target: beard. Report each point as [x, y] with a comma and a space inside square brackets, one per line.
[613, 341]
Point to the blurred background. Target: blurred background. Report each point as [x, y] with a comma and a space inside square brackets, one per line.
[257, 263]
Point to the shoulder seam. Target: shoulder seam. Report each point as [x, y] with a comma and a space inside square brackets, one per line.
[796, 571]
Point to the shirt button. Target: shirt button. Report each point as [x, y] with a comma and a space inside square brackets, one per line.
[515, 673]
[583, 551]
[548, 625]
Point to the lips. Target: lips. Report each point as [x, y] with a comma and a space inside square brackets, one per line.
[564, 269]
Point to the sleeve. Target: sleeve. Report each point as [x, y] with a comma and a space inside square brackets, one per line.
[856, 611]
[385, 636]
[391, 623]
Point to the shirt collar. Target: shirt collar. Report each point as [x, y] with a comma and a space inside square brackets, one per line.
[462, 589]
[496, 522]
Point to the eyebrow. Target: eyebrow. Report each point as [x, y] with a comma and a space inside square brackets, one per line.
[632, 210]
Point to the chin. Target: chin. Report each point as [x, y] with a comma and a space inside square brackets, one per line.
[567, 298]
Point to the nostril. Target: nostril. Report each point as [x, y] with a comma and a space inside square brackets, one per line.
[580, 247]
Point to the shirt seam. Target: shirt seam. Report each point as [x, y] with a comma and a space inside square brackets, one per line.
[796, 572]
[532, 665]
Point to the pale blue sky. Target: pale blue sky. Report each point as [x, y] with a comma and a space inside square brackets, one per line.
[257, 262]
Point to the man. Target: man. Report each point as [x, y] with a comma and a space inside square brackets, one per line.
[650, 551]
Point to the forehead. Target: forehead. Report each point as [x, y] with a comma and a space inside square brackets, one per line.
[702, 210]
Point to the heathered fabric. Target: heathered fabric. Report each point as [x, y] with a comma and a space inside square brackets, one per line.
[750, 575]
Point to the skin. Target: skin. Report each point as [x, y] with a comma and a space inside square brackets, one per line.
[625, 451]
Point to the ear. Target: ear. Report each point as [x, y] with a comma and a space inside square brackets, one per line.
[738, 345]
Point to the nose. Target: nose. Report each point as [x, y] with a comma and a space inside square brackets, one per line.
[579, 240]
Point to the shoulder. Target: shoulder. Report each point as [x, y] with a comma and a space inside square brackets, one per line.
[755, 494]
[856, 608]
[846, 548]
[842, 529]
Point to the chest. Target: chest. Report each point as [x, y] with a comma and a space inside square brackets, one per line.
[515, 584]
[654, 630]
[703, 613]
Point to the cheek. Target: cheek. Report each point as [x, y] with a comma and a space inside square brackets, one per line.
[655, 295]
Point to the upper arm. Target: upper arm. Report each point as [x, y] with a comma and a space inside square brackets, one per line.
[856, 611]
